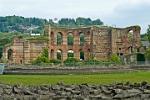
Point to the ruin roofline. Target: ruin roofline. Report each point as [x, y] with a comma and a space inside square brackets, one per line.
[93, 26]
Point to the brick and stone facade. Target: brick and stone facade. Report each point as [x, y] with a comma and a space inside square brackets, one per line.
[97, 42]
[24, 51]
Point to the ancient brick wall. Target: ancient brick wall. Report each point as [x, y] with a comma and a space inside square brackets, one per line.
[18, 48]
[99, 43]
[64, 47]
[36, 47]
[24, 51]
[125, 41]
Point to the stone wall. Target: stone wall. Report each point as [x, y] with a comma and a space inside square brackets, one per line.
[64, 47]
[99, 43]
[61, 91]
[24, 51]
[123, 40]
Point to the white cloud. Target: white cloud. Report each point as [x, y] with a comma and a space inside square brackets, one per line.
[119, 12]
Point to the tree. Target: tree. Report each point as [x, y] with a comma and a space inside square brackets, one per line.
[20, 24]
[144, 37]
[97, 22]
[147, 54]
[83, 21]
[45, 52]
[67, 22]
[43, 58]
[24, 25]
[115, 59]
[148, 33]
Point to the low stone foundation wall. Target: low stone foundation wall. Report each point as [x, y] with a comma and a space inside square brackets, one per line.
[71, 70]
[66, 70]
[60, 91]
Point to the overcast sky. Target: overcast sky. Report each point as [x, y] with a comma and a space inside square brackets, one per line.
[119, 13]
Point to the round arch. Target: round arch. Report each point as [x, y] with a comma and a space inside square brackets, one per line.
[59, 38]
[82, 38]
[59, 54]
[130, 35]
[70, 53]
[82, 55]
[70, 39]
[10, 54]
[140, 57]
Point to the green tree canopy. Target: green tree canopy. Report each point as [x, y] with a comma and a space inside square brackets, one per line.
[148, 33]
[147, 54]
[25, 25]
[115, 59]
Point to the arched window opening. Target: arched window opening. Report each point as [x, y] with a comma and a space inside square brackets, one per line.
[21, 61]
[59, 38]
[10, 54]
[70, 39]
[70, 53]
[59, 54]
[130, 35]
[52, 54]
[82, 39]
[81, 55]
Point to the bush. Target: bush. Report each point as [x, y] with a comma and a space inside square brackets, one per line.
[115, 59]
[147, 54]
[55, 61]
[92, 62]
[43, 58]
[40, 60]
[71, 62]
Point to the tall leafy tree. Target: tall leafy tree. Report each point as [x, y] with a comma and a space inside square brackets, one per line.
[97, 22]
[148, 33]
[67, 22]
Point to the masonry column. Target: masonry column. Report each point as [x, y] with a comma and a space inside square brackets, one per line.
[113, 41]
[76, 45]
[54, 45]
[65, 45]
[27, 52]
[137, 36]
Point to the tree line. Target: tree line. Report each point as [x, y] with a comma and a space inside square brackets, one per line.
[36, 25]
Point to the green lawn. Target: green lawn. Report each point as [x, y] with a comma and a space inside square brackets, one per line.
[76, 79]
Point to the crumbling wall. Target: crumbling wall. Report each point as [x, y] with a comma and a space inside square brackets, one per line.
[125, 41]
[64, 47]
[36, 47]
[101, 43]
[18, 48]
[24, 51]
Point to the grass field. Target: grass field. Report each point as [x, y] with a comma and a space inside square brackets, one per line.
[76, 79]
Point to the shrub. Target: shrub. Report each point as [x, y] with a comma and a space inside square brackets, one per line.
[115, 59]
[43, 58]
[45, 53]
[147, 54]
[55, 61]
[40, 60]
[71, 62]
[92, 62]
